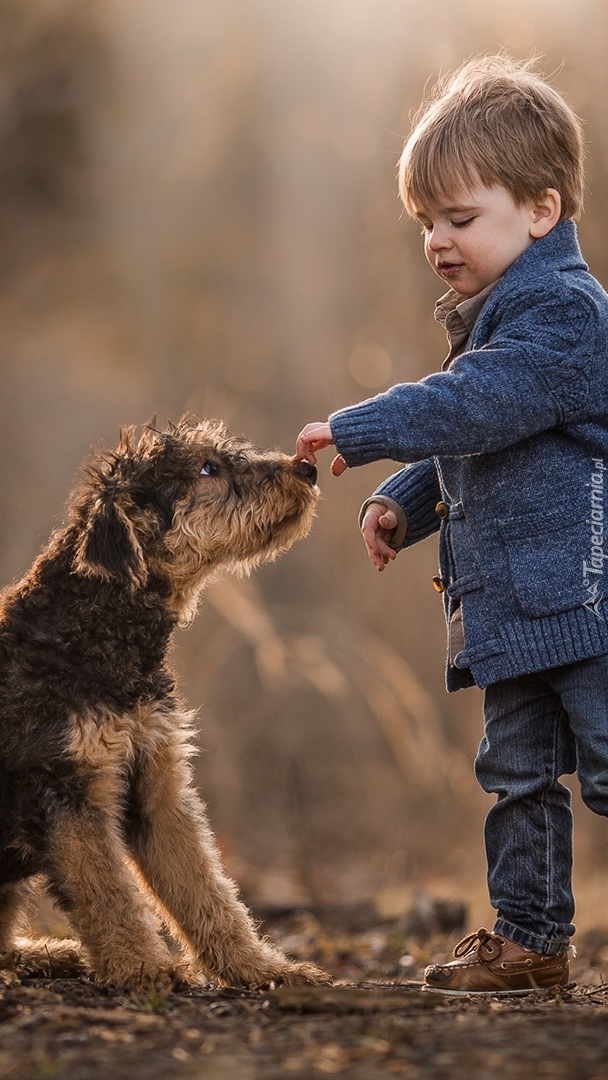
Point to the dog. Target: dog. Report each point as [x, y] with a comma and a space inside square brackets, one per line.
[96, 795]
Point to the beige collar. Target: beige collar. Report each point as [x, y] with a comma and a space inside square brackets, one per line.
[458, 317]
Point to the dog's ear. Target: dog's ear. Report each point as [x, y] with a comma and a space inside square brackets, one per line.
[109, 546]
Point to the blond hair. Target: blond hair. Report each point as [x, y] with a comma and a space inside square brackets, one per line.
[497, 121]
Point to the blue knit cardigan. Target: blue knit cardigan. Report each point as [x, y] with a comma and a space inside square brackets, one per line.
[512, 442]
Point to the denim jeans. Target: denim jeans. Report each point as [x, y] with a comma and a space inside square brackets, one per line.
[537, 728]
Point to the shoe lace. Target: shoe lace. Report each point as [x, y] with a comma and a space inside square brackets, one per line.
[488, 946]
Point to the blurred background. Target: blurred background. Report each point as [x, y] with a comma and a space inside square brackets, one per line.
[198, 211]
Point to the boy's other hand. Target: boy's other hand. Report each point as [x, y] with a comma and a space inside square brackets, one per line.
[377, 527]
[316, 437]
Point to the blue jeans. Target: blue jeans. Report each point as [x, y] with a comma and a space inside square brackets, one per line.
[538, 727]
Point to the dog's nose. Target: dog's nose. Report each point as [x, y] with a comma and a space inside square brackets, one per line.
[306, 471]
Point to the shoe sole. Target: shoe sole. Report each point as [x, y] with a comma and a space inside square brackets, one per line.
[494, 993]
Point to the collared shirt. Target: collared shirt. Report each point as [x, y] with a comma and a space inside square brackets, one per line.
[458, 318]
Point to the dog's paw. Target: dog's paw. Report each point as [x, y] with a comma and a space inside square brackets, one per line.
[302, 973]
[56, 958]
[286, 973]
[188, 977]
[146, 976]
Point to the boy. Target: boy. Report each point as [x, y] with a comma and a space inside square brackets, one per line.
[506, 452]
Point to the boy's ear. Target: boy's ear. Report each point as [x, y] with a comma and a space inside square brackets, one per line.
[545, 212]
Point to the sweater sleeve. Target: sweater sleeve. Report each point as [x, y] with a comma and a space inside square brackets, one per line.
[534, 374]
[416, 491]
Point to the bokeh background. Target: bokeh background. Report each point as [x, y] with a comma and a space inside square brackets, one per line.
[198, 211]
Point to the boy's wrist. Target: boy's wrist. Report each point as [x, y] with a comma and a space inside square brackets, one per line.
[398, 536]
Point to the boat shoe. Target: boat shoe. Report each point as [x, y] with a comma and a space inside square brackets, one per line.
[486, 963]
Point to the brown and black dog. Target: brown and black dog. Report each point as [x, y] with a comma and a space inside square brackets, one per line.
[96, 797]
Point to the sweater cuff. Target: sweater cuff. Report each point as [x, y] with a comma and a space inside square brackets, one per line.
[358, 434]
[398, 536]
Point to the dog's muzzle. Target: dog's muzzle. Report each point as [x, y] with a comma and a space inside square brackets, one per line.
[306, 471]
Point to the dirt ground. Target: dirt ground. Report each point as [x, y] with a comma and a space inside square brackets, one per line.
[375, 1022]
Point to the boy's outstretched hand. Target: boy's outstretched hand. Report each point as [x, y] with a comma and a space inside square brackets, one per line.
[379, 522]
[316, 437]
[377, 526]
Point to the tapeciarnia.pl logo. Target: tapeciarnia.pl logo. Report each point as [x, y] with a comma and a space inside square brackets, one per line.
[593, 570]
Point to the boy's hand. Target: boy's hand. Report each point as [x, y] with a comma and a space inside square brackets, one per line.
[377, 526]
[316, 437]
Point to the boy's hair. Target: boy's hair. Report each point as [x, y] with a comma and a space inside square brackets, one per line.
[497, 121]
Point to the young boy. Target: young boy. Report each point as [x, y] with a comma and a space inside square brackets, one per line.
[506, 452]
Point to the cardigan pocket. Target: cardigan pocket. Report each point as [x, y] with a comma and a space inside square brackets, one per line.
[546, 556]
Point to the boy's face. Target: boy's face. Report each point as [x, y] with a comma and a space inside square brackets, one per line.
[473, 237]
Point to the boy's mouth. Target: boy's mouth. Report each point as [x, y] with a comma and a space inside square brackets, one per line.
[448, 270]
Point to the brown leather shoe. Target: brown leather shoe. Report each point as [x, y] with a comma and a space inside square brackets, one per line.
[486, 963]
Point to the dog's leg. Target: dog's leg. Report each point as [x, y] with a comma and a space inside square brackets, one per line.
[13, 900]
[172, 843]
[90, 879]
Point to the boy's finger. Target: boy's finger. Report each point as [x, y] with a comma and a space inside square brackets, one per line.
[338, 466]
[316, 433]
[306, 454]
[380, 563]
[378, 552]
[370, 535]
[303, 452]
[304, 448]
[384, 550]
[388, 520]
[375, 557]
[313, 437]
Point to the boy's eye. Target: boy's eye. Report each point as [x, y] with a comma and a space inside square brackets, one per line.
[209, 468]
[461, 224]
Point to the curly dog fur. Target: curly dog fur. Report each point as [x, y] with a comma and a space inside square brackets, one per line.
[96, 796]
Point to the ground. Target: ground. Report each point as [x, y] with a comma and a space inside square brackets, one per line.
[375, 1022]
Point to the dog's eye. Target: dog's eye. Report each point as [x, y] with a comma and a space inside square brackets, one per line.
[209, 468]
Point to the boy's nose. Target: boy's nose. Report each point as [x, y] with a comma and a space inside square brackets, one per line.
[438, 239]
